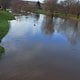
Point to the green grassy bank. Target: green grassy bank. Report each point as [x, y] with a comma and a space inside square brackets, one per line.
[40, 11]
[69, 16]
[4, 25]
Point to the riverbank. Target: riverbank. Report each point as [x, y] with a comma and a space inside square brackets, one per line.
[61, 15]
[4, 25]
[1, 51]
[68, 16]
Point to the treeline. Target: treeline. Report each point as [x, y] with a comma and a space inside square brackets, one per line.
[66, 7]
[50, 6]
[4, 4]
[24, 6]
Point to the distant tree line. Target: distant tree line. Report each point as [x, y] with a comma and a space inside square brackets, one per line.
[5, 4]
[24, 6]
[66, 7]
[51, 6]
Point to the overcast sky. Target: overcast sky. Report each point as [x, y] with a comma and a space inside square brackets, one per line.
[36, 0]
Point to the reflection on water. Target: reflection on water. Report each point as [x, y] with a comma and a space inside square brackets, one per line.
[39, 47]
[48, 25]
[65, 27]
[70, 30]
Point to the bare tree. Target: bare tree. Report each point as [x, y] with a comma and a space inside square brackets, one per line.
[50, 6]
[78, 8]
[16, 5]
[5, 4]
[69, 7]
[23, 6]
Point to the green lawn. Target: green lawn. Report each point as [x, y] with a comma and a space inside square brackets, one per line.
[40, 11]
[5, 15]
[4, 25]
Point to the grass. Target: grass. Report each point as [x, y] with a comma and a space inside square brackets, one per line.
[5, 15]
[4, 25]
[40, 11]
[69, 16]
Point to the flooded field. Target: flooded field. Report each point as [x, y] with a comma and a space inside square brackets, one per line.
[39, 47]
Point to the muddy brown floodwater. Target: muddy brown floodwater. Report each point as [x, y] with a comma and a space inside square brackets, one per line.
[39, 47]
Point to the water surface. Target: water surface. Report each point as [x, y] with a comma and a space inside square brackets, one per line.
[39, 47]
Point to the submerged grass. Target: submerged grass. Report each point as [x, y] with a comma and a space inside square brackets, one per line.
[57, 14]
[69, 16]
[1, 51]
